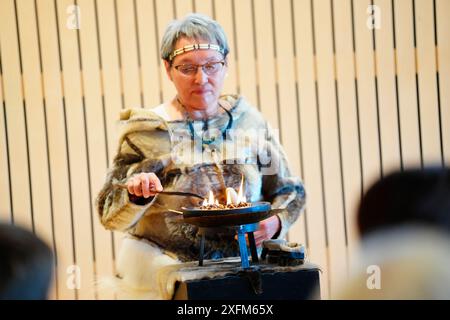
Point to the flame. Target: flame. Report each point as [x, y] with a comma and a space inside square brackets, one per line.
[211, 197]
[210, 200]
[231, 196]
[241, 196]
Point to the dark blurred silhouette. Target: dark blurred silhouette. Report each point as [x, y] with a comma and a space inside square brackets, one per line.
[26, 265]
[415, 196]
[404, 224]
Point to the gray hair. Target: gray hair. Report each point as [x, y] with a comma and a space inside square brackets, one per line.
[193, 26]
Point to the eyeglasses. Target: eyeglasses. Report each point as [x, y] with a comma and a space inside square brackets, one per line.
[210, 68]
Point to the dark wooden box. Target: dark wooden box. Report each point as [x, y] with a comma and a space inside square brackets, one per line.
[298, 285]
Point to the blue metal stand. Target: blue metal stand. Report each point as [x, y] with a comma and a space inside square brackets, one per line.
[241, 230]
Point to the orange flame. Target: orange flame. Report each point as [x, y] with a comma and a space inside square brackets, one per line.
[241, 196]
[231, 196]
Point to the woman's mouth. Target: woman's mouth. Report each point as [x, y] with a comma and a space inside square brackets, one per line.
[201, 91]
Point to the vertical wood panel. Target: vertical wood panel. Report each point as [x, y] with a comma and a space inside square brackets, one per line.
[78, 162]
[224, 15]
[286, 82]
[128, 53]
[245, 49]
[266, 82]
[406, 77]
[329, 135]
[111, 82]
[5, 206]
[443, 39]
[204, 6]
[314, 214]
[15, 116]
[151, 85]
[183, 7]
[164, 14]
[426, 69]
[57, 145]
[42, 212]
[365, 72]
[265, 63]
[35, 116]
[387, 95]
[94, 122]
[345, 75]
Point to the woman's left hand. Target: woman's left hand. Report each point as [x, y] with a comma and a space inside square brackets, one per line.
[267, 229]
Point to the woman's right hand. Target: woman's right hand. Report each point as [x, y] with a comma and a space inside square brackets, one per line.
[144, 184]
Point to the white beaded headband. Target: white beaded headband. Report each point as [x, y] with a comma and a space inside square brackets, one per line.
[196, 46]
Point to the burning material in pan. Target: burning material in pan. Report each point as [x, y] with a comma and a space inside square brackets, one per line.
[233, 200]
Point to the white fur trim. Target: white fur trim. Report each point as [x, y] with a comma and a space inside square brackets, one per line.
[138, 266]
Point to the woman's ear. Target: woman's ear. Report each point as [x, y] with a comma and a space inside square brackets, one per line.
[167, 67]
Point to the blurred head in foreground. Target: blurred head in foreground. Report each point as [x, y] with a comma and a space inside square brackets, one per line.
[412, 197]
[404, 223]
[26, 264]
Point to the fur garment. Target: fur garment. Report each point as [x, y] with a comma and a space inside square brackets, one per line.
[148, 143]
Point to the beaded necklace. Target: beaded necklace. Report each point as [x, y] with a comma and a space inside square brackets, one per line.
[206, 141]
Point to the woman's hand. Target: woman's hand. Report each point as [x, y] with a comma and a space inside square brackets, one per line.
[145, 184]
[267, 229]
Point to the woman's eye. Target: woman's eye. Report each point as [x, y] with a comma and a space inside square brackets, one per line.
[210, 67]
[213, 67]
[188, 69]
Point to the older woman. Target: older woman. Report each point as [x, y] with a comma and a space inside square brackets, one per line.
[199, 141]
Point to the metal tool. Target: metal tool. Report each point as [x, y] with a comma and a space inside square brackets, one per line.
[169, 193]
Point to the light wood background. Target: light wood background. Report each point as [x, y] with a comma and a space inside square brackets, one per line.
[351, 103]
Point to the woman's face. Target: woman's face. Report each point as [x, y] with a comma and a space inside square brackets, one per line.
[198, 91]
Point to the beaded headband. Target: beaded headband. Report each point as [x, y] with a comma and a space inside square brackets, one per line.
[196, 46]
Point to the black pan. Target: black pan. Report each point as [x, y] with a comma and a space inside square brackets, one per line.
[228, 217]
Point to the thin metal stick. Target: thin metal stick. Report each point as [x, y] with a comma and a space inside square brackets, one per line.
[170, 193]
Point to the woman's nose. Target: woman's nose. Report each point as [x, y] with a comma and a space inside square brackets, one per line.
[200, 77]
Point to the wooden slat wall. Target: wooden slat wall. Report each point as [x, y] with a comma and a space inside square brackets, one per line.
[129, 57]
[183, 7]
[245, 49]
[351, 104]
[226, 20]
[308, 110]
[16, 118]
[164, 13]
[411, 146]
[347, 118]
[442, 7]
[368, 108]
[5, 202]
[77, 151]
[57, 143]
[386, 90]
[111, 81]
[430, 120]
[149, 51]
[39, 169]
[265, 65]
[329, 141]
[94, 115]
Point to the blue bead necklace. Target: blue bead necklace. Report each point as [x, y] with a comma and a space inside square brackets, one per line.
[206, 141]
